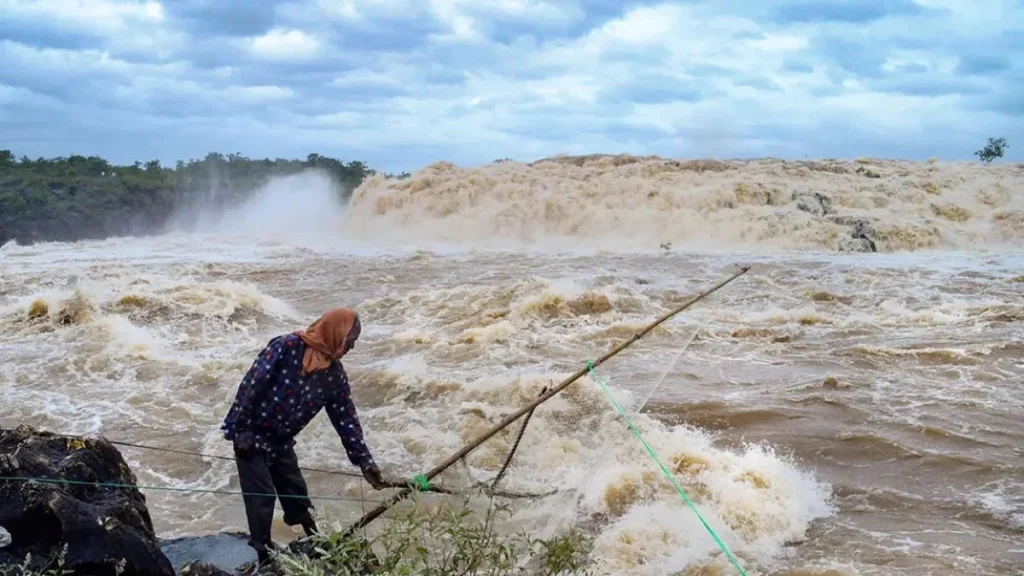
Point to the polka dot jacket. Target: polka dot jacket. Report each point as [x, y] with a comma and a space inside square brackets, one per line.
[275, 402]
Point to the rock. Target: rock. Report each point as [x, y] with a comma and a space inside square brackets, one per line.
[8, 464]
[101, 527]
[200, 569]
[814, 203]
[861, 235]
[226, 551]
[857, 245]
[868, 173]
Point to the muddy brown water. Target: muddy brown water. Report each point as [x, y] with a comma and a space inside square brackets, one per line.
[857, 414]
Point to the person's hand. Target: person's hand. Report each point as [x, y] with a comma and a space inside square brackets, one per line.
[372, 476]
[244, 442]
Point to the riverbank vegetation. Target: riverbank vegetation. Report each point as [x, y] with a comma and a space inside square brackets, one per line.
[87, 197]
[449, 540]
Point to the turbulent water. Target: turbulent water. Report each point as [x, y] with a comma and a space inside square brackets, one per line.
[828, 412]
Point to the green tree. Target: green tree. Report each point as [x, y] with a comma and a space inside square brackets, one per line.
[80, 197]
[994, 149]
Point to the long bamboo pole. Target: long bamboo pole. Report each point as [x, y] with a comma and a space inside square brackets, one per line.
[383, 507]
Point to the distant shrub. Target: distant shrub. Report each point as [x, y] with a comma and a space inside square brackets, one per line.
[994, 149]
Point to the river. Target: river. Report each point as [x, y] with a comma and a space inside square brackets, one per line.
[828, 412]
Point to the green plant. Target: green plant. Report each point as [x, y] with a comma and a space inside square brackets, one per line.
[76, 197]
[25, 569]
[994, 149]
[455, 541]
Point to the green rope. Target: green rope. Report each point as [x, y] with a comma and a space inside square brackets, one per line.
[168, 488]
[668, 475]
[421, 482]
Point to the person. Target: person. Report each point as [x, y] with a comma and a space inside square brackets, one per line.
[293, 378]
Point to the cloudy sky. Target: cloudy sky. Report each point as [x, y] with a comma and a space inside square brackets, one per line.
[402, 83]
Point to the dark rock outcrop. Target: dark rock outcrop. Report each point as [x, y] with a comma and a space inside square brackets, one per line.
[867, 173]
[814, 203]
[102, 526]
[862, 235]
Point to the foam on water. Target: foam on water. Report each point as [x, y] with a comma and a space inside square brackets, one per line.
[633, 203]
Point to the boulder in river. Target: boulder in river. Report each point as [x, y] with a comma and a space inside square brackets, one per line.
[814, 203]
[861, 237]
[63, 505]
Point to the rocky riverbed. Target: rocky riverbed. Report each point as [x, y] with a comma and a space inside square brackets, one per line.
[76, 497]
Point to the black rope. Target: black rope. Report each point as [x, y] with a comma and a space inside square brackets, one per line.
[436, 489]
[173, 451]
[515, 445]
[499, 493]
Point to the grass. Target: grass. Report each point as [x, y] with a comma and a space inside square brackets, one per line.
[451, 541]
[49, 569]
[454, 541]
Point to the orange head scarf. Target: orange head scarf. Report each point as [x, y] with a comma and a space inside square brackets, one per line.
[326, 338]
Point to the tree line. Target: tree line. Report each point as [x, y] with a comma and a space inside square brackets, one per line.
[86, 197]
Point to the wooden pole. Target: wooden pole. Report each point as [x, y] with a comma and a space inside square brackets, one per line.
[383, 507]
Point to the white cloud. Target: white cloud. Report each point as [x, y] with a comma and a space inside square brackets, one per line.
[462, 18]
[282, 45]
[402, 83]
[648, 26]
[103, 16]
[257, 94]
[121, 26]
[12, 94]
[55, 62]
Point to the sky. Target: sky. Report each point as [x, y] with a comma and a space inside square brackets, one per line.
[401, 84]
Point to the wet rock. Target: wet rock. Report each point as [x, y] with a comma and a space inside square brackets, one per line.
[814, 203]
[867, 173]
[102, 527]
[862, 235]
[226, 551]
[200, 569]
[75, 310]
[827, 165]
[857, 245]
[8, 464]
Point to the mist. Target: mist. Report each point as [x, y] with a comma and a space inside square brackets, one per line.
[305, 207]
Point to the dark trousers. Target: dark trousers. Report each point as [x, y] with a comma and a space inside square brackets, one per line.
[260, 473]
